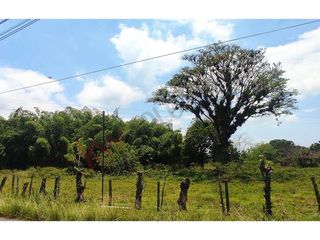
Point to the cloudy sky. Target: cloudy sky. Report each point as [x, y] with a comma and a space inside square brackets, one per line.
[62, 48]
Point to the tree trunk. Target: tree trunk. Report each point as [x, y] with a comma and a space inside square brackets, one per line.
[182, 200]
[139, 191]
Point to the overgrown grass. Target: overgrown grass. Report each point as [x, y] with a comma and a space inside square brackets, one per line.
[292, 195]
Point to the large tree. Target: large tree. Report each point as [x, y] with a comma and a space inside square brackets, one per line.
[226, 85]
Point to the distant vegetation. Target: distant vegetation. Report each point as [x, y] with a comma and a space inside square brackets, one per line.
[66, 138]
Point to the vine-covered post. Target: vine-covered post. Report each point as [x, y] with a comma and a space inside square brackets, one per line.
[79, 186]
[183, 197]
[139, 190]
[266, 171]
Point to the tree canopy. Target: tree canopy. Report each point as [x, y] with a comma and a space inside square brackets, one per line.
[227, 85]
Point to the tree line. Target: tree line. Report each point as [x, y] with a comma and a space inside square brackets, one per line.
[222, 86]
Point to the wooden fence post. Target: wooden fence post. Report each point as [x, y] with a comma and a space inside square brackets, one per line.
[12, 184]
[266, 174]
[24, 189]
[30, 186]
[221, 196]
[158, 196]
[3, 182]
[139, 190]
[79, 187]
[56, 189]
[226, 188]
[110, 193]
[43, 186]
[183, 197]
[17, 187]
[316, 191]
[163, 189]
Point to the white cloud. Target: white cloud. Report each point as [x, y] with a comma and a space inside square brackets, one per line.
[135, 44]
[212, 29]
[300, 60]
[108, 92]
[43, 97]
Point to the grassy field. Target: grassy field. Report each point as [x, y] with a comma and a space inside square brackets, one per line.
[292, 195]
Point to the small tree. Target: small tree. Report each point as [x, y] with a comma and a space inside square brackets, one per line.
[227, 85]
[199, 142]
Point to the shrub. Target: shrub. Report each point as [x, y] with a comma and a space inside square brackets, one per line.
[119, 159]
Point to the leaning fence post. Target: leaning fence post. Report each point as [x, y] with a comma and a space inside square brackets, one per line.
[24, 189]
[12, 184]
[226, 188]
[110, 192]
[17, 187]
[183, 197]
[43, 186]
[139, 190]
[30, 186]
[316, 191]
[56, 190]
[3, 182]
[158, 196]
[221, 195]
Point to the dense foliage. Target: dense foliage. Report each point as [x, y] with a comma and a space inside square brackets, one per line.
[73, 137]
[285, 153]
[226, 85]
[65, 138]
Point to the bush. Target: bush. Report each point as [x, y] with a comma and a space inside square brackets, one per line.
[120, 159]
[309, 159]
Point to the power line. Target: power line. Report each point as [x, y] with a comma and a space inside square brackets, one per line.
[15, 30]
[3, 21]
[13, 27]
[159, 56]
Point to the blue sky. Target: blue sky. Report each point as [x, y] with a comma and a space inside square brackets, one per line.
[60, 48]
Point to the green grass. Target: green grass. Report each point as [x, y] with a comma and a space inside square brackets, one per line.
[292, 195]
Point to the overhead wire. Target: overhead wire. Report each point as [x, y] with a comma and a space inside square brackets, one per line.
[3, 21]
[17, 29]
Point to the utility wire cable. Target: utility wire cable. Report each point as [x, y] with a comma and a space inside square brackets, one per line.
[160, 56]
[3, 21]
[14, 27]
[18, 29]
